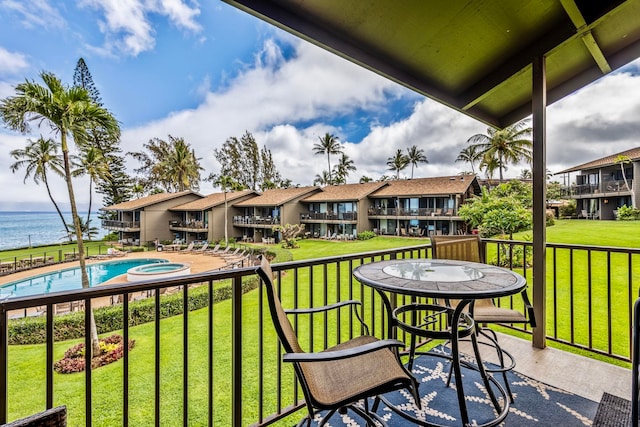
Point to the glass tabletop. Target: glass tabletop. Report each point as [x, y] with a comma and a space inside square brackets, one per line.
[428, 271]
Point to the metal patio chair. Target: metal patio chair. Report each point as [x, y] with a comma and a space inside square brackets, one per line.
[484, 312]
[337, 378]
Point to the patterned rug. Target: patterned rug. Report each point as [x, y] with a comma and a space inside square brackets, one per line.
[536, 403]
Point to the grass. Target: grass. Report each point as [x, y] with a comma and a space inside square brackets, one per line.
[27, 370]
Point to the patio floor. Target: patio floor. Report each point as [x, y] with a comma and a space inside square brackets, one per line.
[581, 375]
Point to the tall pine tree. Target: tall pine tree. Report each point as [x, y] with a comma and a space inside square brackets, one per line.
[115, 187]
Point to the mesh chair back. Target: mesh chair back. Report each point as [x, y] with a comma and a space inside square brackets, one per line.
[283, 326]
[461, 248]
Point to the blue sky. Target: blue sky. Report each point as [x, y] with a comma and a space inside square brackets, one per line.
[205, 71]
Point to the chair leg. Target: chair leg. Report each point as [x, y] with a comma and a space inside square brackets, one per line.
[493, 337]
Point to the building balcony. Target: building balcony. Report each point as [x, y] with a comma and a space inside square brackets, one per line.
[329, 217]
[114, 225]
[418, 213]
[255, 221]
[191, 226]
[605, 189]
[221, 363]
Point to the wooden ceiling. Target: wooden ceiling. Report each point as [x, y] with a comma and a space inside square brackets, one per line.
[472, 55]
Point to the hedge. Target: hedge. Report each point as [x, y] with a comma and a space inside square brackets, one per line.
[32, 330]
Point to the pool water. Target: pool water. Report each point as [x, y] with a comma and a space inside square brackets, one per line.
[70, 278]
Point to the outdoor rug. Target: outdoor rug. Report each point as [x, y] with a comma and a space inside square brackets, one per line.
[536, 403]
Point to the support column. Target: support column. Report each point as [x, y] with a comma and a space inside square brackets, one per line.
[539, 104]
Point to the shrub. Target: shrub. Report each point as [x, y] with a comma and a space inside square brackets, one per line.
[628, 213]
[32, 330]
[567, 209]
[366, 235]
[111, 349]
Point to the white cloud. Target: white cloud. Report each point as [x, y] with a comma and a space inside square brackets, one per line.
[12, 62]
[127, 25]
[35, 13]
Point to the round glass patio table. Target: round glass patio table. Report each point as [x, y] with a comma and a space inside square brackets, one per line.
[463, 281]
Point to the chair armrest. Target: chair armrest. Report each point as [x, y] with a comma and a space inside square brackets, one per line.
[323, 308]
[341, 354]
[528, 308]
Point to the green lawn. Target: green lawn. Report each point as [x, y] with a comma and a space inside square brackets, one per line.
[27, 370]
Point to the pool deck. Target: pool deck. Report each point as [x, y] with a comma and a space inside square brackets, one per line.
[199, 263]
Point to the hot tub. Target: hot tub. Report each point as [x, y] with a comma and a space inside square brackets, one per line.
[158, 271]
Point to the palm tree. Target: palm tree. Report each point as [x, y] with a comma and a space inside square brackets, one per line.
[68, 111]
[226, 183]
[181, 167]
[328, 145]
[416, 155]
[38, 157]
[489, 165]
[469, 154]
[343, 168]
[94, 164]
[508, 145]
[625, 160]
[171, 164]
[364, 179]
[322, 179]
[398, 162]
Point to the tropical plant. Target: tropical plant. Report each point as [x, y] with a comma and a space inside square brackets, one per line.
[416, 155]
[226, 183]
[622, 161]
[496, 215]
[342, 169]
[508, 145]
[171, 164]
[628, 213]
[37, 158]
[398, 162]
[469, 155]
[329, 144]
[69, 112]
[364, 179]
[93, 164]
[289, 233]
[322, 179]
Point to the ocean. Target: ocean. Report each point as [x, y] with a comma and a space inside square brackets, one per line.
[21, 229]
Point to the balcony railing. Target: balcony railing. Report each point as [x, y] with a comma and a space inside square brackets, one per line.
[125, 225]
[221, 364]
[256, 220]
[425, 213]
[187, 225]
[607, 187]
[329, 216]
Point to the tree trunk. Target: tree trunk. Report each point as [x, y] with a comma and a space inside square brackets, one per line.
[226, 225]
[66, 227]
[76, 221]
[90, 202]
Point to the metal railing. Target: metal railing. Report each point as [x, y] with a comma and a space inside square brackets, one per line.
[110, 223]
[426, 213]
[223, 362]
[329, 216]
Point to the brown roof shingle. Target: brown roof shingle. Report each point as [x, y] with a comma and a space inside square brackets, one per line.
[633, 154]
[147, 201]
[346, 192]
[277, 196]
[212, 200]
[442, 185]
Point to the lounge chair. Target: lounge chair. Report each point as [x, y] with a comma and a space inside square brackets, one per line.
[230, 255]
[189, 248]
[215, 249]
[116, 253]
[218, 253]
[202, 249]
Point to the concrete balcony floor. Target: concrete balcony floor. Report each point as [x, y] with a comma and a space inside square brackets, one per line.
[580, 375]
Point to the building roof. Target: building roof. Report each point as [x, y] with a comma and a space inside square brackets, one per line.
[346, 192]
[147, 201]
[277, 196]
[443, 185]
[472, 55]
[213, 200]
[633, 154]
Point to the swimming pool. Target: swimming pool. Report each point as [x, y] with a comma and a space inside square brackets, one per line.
[70, 278]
